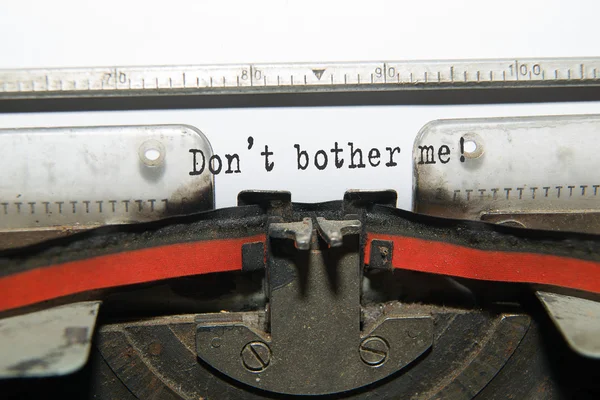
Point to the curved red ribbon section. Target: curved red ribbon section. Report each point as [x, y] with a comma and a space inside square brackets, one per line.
[449, 259]
[119, 269]
[194, 258]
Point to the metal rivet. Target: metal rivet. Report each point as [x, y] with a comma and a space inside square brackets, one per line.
[384, 252]
[374, 351]
[256, 356]
[412, 334]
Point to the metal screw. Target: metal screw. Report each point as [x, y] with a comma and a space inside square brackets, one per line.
[374, 351]
[256, 356]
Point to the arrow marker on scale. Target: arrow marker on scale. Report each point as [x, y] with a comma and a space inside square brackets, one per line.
[318, 73]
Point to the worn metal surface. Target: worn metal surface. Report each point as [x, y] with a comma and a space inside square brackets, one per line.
[138, 174]
[503, 166]
[298, 77]
[50, 342]
[315, 341]
[156, 359]
[577, 319]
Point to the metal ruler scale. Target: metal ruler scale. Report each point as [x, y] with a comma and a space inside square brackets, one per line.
[298, 78]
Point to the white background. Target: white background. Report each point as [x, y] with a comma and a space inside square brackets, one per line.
[103, 33]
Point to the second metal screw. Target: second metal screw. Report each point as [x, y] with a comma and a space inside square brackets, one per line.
[256, 356]
[374, 351]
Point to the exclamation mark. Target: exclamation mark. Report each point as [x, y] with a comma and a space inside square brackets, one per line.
[462, 149]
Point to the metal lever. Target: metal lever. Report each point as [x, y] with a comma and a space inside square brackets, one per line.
[299, 232]
[333, 232]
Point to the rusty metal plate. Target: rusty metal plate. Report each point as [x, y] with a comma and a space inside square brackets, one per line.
[50, 342]
[59, 180]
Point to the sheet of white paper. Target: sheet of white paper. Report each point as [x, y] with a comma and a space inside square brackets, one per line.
[312, 129]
